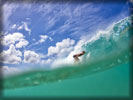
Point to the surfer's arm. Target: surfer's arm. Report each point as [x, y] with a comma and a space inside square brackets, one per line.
[77, 55]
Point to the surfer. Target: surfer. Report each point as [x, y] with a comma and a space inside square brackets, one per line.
[78, 55]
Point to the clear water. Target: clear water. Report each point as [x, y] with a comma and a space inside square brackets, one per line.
[113, 82]
[104, 73]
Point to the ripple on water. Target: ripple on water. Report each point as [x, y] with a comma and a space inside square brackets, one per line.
[27, 78]
[126, 57]
[119, 61]
[59, 80]
[35, 82]
[111, 65]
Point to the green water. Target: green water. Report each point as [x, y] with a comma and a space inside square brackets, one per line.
[112, 82]
[104, 73]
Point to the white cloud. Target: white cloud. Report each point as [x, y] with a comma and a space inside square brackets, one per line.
[48, 61]
[31, 57]
[78, 48]
[69, 59]
[22, 43]
[13, 38]
[61, 48]
[25, 27]
[10, 70]
[43, 38]
[28, 19]
[13, 26]
[20, 27]
[8, 9]
[50, 39]
[11, 56]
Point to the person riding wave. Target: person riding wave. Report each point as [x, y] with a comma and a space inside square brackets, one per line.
[76, 56]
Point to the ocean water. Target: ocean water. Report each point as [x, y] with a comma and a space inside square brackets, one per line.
[104, 70]
[114, 82]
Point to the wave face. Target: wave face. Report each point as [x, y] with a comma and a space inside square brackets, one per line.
[114, 41]
[105, 50]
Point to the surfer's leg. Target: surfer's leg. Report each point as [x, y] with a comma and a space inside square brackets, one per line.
[76, 58]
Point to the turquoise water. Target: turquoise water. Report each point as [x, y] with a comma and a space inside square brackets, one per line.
[112, 82]
[104, 73]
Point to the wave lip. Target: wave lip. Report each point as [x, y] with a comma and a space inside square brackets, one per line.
[112, 41]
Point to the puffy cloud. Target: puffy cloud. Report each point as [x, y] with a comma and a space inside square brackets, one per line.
[31, 57]
[11, 56]
[61, 48]
[10, 70]
[13, 38]
[69, 59]
[48, 61]
[43, 38]
[22, 43]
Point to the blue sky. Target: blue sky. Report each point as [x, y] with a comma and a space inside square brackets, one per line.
[40, 33]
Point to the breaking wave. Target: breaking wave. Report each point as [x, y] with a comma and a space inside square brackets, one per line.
[104, 50]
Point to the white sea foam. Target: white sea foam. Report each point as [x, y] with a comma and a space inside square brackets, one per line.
[85, 40]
